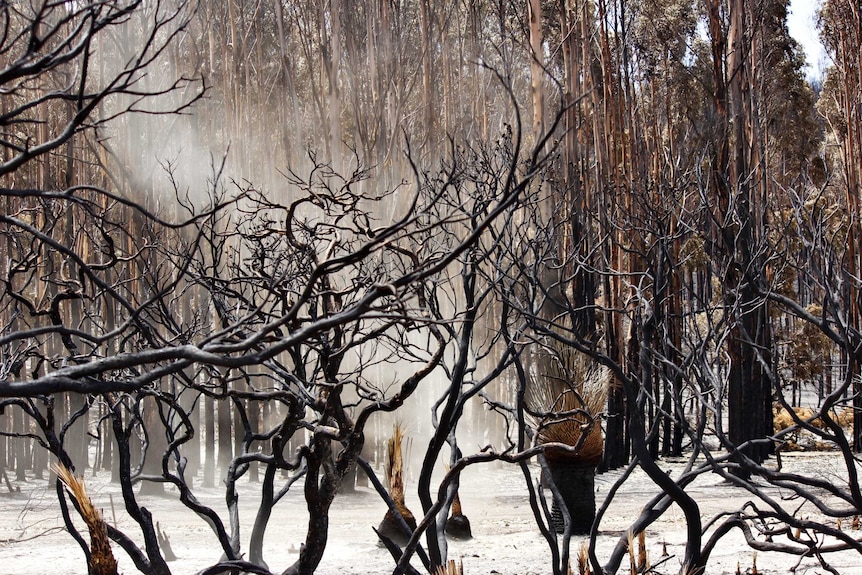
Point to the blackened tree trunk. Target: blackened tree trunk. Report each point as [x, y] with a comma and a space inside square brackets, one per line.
[576, 483]
[616, 447]
[749, 394]
[749, 391]
[749, 348]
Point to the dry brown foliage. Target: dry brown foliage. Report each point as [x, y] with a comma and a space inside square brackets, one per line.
[451, 568]
[395, 464]
[456, 505]
[583, 559]
[101, 558]
[782, 419]
[643, 560]
[638, 563]
[567, 396]
[809, 348]
[390, 527]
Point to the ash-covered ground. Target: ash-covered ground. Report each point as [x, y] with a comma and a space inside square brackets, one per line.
[506, 539]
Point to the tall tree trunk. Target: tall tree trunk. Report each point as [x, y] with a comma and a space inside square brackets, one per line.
[750, 344]
[209, 447]
[537, 69]
[334, 73]
[20, 444]
[225, 441]
[428, 77]
[156, 446]
[291, 130]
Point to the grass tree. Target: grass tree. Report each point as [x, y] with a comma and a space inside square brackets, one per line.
[566, 397]
[399, 522]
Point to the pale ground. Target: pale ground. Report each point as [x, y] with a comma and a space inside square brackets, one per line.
[506, 539]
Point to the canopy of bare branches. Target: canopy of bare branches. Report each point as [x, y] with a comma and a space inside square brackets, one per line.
[240, 240]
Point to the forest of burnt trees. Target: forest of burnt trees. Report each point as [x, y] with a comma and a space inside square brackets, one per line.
[235, 235]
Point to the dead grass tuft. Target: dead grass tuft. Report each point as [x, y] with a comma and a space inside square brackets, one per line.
[101, 557]
[782, 419]
[638, 562]
[390, 526]
[451, 568]
[801, 439]
[566, 397]
[395, 464]
[643, 560]
[583, 559]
